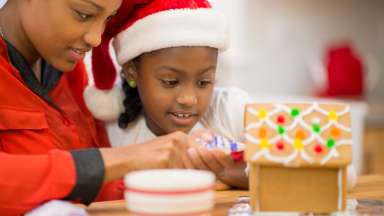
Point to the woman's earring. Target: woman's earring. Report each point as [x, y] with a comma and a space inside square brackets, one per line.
[132, 83]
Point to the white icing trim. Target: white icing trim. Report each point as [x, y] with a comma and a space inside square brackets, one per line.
[172, 28]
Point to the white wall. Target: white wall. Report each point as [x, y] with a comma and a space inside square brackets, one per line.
[274, 41]
[2, 2]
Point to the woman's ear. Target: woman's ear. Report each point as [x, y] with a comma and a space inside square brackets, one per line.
[130, 71]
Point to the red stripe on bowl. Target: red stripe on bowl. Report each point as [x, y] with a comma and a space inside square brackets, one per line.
[169, 192]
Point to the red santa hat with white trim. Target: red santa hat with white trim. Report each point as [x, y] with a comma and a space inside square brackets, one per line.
[143, 27]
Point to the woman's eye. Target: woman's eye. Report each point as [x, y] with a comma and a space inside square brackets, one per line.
[83, 16]
[110, 17]
[203, 83]
[170, 82]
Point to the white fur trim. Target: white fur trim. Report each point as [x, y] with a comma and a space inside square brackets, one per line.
[105, 105]
[172, 28]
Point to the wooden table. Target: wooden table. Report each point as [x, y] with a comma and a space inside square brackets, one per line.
[368, 187]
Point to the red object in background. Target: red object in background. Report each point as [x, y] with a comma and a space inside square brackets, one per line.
[345, 72]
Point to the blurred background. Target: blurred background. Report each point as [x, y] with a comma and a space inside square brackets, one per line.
[313, 50]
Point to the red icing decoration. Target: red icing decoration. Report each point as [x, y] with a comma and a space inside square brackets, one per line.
[319, 149]
[238, 157]
[280, 119]
[280, 145]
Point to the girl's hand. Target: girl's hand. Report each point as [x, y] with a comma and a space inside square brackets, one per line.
[220, 186]
[214, 160]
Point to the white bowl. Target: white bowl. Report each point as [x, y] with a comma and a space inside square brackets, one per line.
[169, 191]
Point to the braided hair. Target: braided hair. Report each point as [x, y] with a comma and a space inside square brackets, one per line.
[132, 102]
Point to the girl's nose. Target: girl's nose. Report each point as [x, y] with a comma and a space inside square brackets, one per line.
[187, 99]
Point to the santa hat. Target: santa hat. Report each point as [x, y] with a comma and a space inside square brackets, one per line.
[140, 28]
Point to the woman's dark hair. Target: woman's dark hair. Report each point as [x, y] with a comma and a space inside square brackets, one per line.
[132, 103]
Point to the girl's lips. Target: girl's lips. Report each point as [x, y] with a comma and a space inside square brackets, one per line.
[182, 119]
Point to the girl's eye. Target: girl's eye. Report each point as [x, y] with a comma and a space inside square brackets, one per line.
[204, 83]
[170, 83]
[83, 16]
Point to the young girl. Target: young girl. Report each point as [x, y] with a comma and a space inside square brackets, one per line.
[168, 52]
[51, 147]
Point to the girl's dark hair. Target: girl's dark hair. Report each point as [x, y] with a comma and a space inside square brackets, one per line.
[132, 103]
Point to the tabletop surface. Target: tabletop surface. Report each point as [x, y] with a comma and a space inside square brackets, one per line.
[367, 187]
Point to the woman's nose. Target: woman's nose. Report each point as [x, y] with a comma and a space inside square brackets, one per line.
[93, 36]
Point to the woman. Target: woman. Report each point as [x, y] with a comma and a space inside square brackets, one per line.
[50, 146]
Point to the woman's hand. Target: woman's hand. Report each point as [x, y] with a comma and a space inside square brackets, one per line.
[169, 151]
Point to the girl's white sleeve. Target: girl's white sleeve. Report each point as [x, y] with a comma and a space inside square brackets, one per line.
[225, 115]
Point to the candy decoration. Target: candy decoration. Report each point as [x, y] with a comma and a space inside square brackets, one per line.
[335, 132]
[280, 119]
[298, 144]
[295, 112]
[316, 127]
[264, 144]
[331, 143]
[300, 134]
[319, 149]
[262, 113]
[262, 132]
[280, 145]
[332, 115]
[280, 130]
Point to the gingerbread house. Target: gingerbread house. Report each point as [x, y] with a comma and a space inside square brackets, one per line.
[298, 155]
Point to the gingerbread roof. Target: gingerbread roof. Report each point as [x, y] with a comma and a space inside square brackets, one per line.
[298, 134]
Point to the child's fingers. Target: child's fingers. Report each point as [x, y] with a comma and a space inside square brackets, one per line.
[187, 162]
[224, 159]
[210, 160]
[220, 186]
[196, 159]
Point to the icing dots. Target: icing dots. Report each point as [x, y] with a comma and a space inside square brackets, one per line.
[331, 143]
[335, 132]
[280, 119]
[262, 113]
[264, 144]
[298, 144]
[316, 128]
[280, 130]
[280, 145]
[332, 115]
[295, 112]
[300, 134]
[318, 149]
[263, 132]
